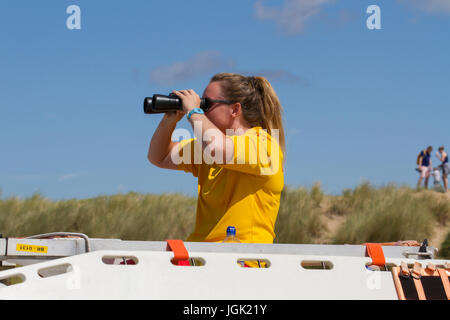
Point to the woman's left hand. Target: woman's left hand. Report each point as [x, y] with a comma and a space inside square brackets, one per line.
[189, 98]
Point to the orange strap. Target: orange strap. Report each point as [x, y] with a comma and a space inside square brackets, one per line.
[375, 251]
[431, 268]
[444, 277]
[179, 250]
[396, 271]
[416, 273]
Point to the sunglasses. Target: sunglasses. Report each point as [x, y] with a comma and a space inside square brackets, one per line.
[210, 102]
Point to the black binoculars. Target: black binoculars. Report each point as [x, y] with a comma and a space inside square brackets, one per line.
[160, 103]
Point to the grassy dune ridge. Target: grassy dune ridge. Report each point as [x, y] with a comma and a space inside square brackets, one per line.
[307, 215]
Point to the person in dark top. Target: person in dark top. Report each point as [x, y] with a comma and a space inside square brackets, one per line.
[425, 166]
[445, 167]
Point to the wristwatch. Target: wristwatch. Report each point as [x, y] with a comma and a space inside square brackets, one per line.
[195, 110]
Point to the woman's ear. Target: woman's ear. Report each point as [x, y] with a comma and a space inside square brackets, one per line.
[236, 110]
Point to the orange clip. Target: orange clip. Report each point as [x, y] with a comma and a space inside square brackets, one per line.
[375, 251]
[180, 254]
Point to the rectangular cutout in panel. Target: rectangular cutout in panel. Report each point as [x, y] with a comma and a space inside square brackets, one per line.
[191, 262]
[387, 267]
[316, 265]
[120, 260]
[55, 270]
[253, 263]
[12, 280]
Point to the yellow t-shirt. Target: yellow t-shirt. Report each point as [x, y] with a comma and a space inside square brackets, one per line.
[244, 193]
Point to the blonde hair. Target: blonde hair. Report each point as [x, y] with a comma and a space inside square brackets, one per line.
[260, 104]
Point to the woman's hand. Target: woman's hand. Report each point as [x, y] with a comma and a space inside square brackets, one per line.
[189, 98]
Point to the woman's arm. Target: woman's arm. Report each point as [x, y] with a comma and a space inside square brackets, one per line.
[161, 145]
[441, 157]
[220, 144]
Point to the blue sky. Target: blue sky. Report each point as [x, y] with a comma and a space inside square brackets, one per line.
[359, 104]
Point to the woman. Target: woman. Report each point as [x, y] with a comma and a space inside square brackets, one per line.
[443, 157]
[240, 140]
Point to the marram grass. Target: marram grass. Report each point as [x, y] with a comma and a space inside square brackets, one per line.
[368, 214]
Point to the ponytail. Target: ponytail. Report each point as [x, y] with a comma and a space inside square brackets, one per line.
[260, 104]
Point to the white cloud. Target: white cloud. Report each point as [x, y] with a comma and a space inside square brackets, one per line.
[203, 63]
[69, 176]
[430, 6]
[210, 62]
[291, 18]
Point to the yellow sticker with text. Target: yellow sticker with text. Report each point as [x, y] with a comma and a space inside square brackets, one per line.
[31, 248]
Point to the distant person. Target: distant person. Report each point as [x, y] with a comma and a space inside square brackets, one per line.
[445, 167]
[436, 173]
[424, 162]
